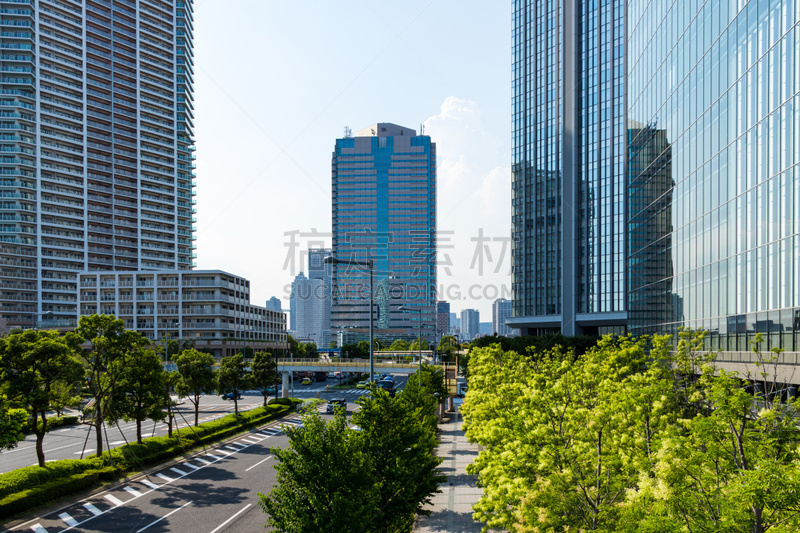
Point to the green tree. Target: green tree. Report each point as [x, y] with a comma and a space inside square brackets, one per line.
[32, 362]
[104, 361]
[139, 394]
[399, 345]
[310, 350]
[196, 377]
[325, 480]
[63, 396]
[332, 345]
[415, 345]
[363, 349]
[232, 376]
[264, 373]
[404, 464]
[171, 381]
[12, 425]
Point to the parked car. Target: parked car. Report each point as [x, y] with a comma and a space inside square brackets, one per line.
[273, 391]
[362, 384]
[229, 396]
[336, 403]
[306, 381]
[388, 377]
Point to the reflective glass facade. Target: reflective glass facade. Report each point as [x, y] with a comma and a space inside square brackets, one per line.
[568, 166]
[714, 116]
[384, 209]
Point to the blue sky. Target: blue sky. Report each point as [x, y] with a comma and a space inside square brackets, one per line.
[277, 82]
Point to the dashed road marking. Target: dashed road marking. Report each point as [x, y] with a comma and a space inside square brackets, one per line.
[71, 522]
[179, 472]
[113, 499]
[37, 528]
[148, 483]
[232, 448]
[135, 493]
[165, 478]
[92, 509]
[190, 465]
[203, 460]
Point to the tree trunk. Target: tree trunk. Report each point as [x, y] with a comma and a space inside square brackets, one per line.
[236, 402]
[40, 438]
[196, 411]
[139, 431]
[169, 419]
[98, 426]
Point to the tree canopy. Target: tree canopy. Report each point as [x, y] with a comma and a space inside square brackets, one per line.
[196, 377]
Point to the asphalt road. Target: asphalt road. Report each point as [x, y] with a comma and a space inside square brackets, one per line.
[69, 442]
[212, 490]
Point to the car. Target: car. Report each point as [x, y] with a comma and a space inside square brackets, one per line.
[388, 386]
[336, 403]
[362, 384]
[272, 391]
[332, 374]
[306, 381]
[388, 377]
[229, 396]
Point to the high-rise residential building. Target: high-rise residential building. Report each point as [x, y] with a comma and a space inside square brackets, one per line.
[320, 273]
[470, 324]
[384, 211]
[569, 179]
[310, 310]
[97, 141]
[501, 310]
[714, 151]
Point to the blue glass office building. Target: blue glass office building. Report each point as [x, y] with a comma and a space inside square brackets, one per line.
[714, 108]
[384, 209]
[568, 163]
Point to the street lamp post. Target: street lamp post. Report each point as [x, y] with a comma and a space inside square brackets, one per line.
[332, 260]
[419, 337]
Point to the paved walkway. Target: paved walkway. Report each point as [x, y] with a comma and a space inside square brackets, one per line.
[452, 508]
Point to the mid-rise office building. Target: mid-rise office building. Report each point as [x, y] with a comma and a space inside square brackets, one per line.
[384, 211]
[501, 310]
[211, 308]
[569, 179]
[96, 173]
[470, 324]
[714, 108]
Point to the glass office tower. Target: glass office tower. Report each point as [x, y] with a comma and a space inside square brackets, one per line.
[97, 141]
[384, 209]
[714, 104]
[568, 166]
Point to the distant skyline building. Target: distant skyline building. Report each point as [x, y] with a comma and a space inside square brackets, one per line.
[97, 171]
[384, 210]
[310, 299]
[501, 310]
[442, 319]
[569, 180]
[274, 304]
[321, 272]
[470, 324]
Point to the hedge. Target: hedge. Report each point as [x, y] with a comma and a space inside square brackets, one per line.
[25, 488]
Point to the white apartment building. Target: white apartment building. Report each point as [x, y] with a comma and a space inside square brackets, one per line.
[96, 148]
[210, 307]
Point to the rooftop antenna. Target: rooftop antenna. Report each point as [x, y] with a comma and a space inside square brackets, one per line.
[347, 132]
[422, 129]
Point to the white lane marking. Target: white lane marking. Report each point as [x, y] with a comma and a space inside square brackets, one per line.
[71, 522]
[258, 463]
[179, 472]
[220, 450]
[135, 493]
[113, 499]
[163, 517]
[92, 509]
[232, 448]
[37, 528]
[165, 478]
[203, 460]
[148, 483]
[250, 441]
[85, 452]
[190, 465]
[116, 442]
[225, 523]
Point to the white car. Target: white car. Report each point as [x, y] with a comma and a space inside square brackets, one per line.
[174, 399]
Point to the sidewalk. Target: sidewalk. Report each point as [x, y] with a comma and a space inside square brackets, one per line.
[452, 508]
